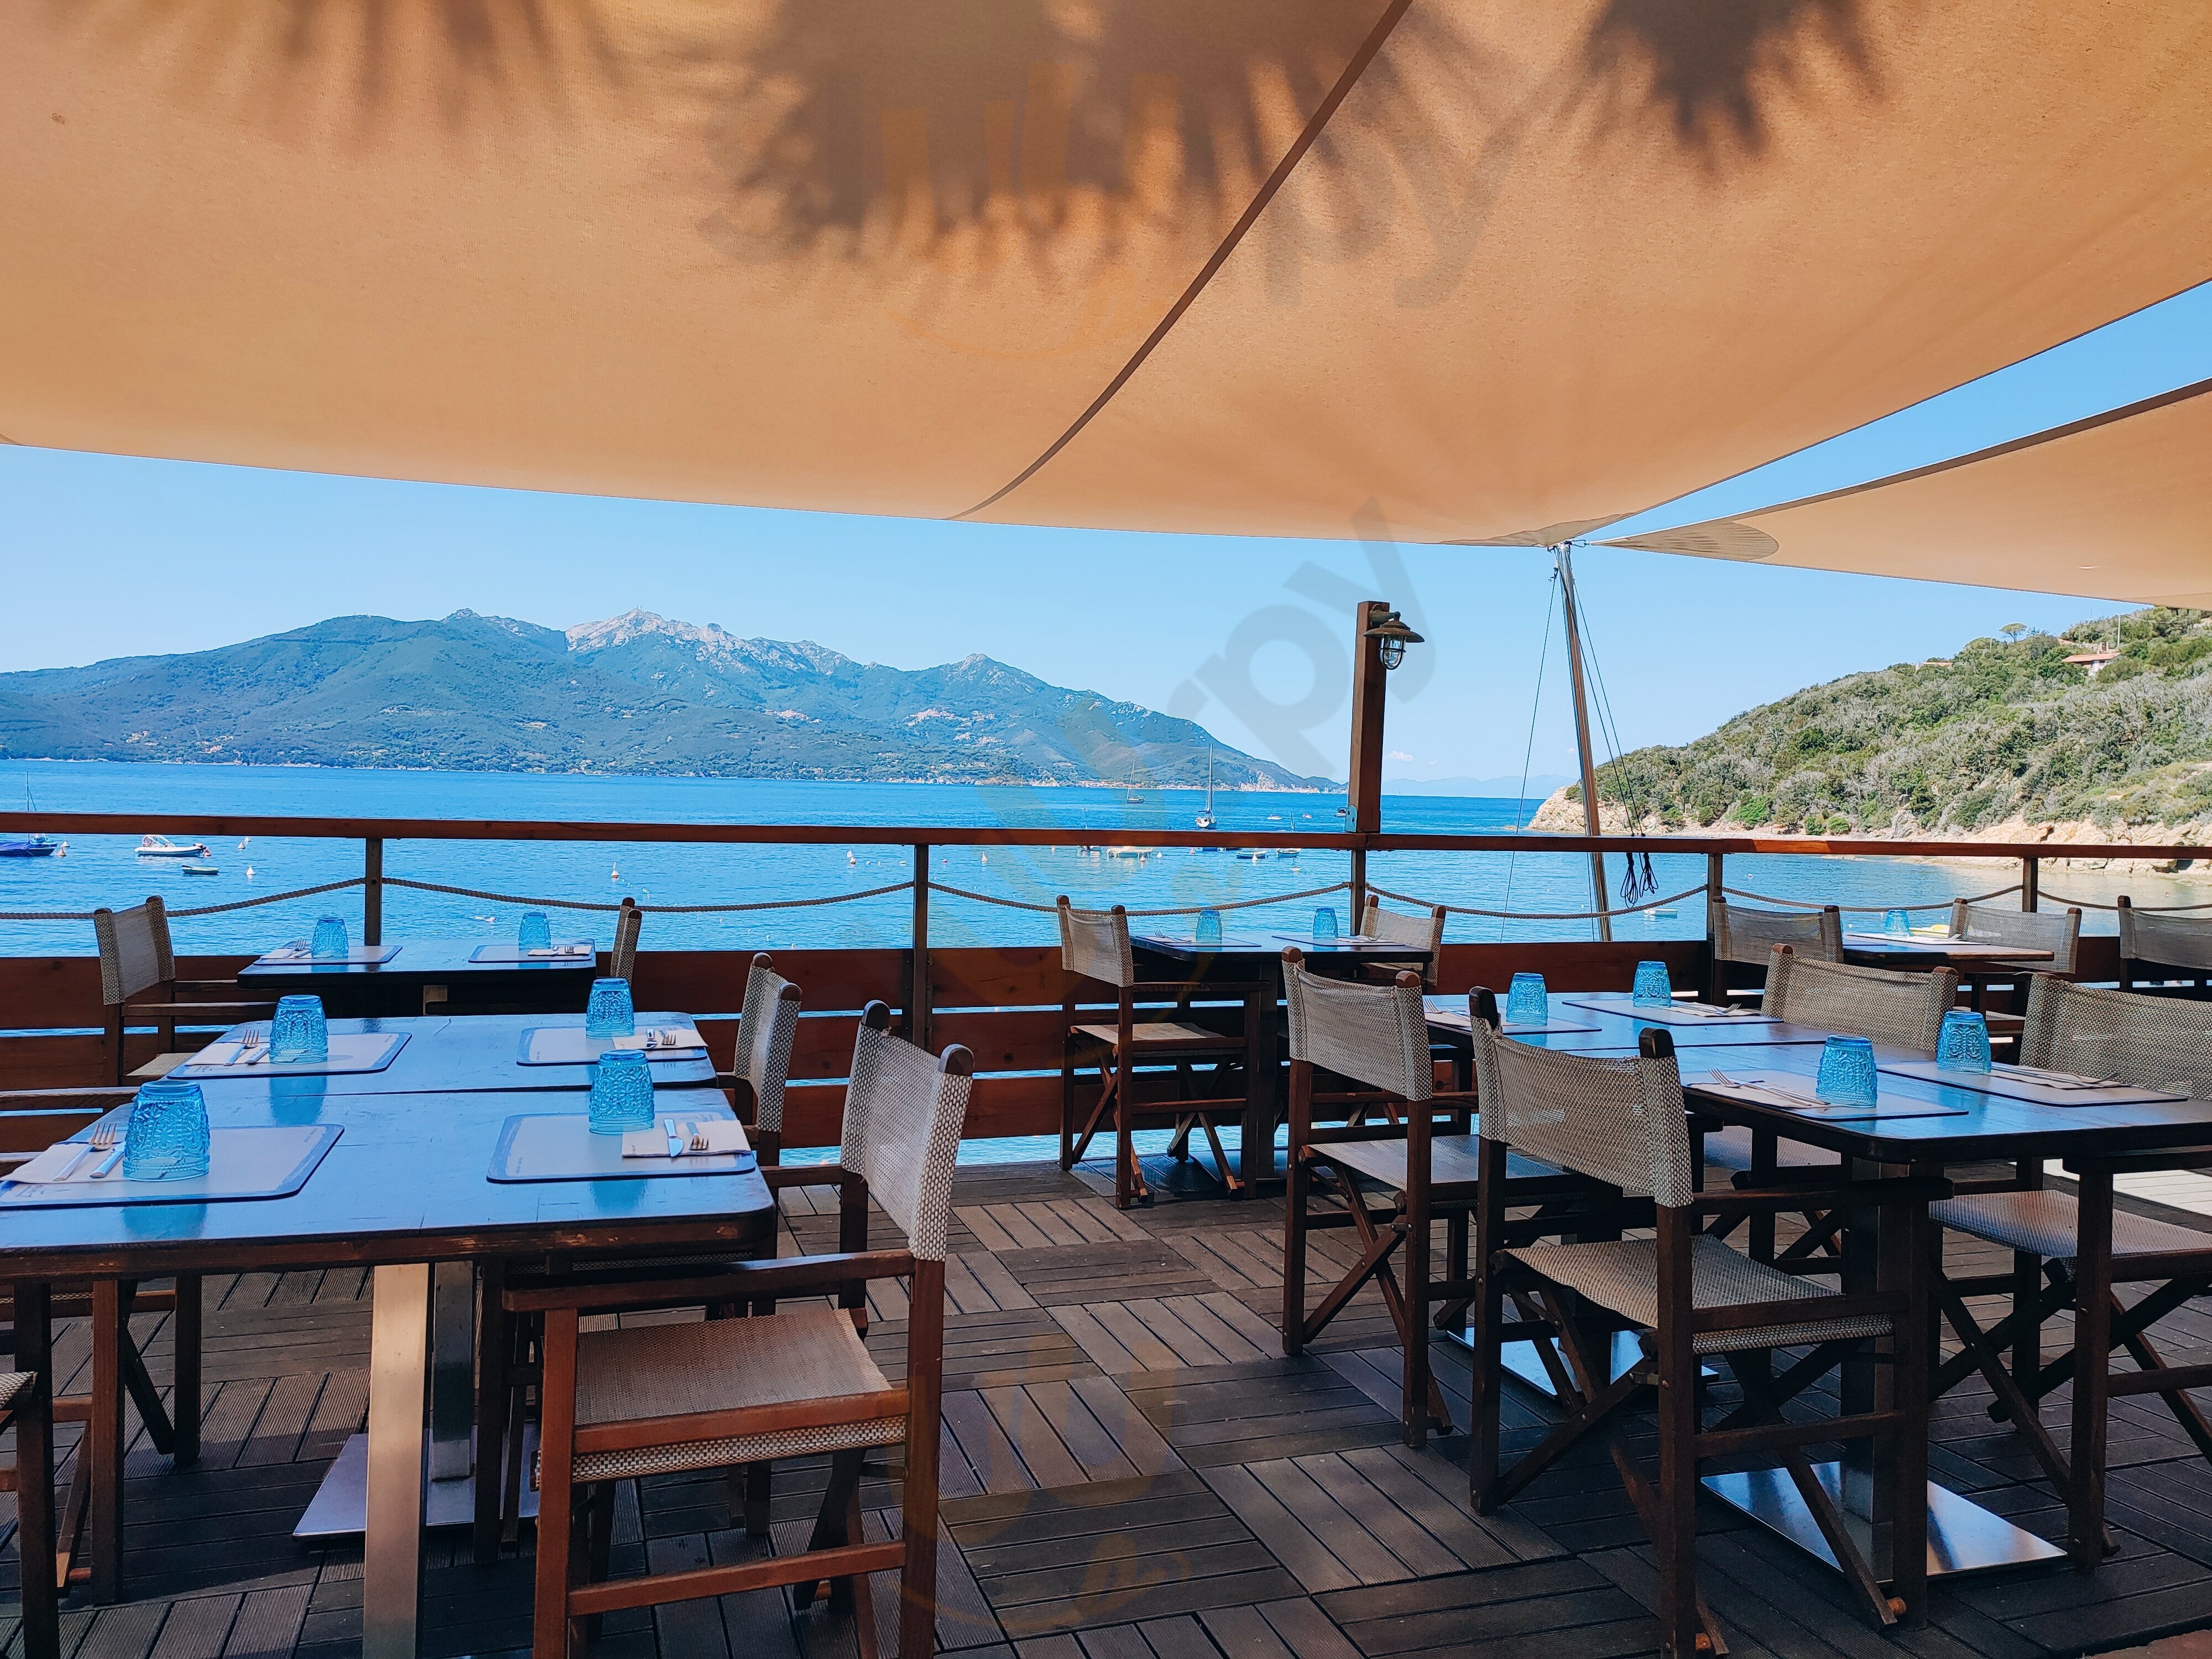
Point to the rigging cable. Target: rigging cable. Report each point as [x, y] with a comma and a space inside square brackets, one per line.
[1535, 706]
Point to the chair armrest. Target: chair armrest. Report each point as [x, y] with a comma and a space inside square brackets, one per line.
[781, 1176]
[196, 1010]
[612, 1289]
[1855, 1195]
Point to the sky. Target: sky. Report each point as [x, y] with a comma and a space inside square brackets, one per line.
[120, 556]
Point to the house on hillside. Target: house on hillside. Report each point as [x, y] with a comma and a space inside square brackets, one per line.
[2094, 662]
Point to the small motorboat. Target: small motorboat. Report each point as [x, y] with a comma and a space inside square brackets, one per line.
[161, 846]
[201, 870]
[1252, 854]
[1129, 852]
[32, 847]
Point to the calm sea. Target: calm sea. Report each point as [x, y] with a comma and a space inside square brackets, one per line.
[107, 869]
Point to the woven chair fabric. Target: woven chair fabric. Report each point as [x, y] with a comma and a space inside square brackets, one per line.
[12, 1384]
[2047, 1223]
[1095, 944]
[767, 1027]
[134, 950]
[622, 960]
[903, 1116]
[1616, 1121]
[1623, 1278]
[1378, 1034]
[801, 1354]
[1904, 1009]
[2037, 930]
[2169, 941]
[1424, 933]
[1739, 935]
[2153, 1042]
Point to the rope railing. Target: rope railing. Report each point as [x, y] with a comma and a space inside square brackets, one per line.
[1536, 916]
[650, 910]
[1169, 910]
[1872, 909]
[2153, 909]
[197, 911]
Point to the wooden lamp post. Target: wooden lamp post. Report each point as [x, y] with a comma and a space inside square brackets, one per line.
[1380, 637]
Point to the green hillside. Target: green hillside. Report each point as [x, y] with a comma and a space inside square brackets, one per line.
[2006, 730]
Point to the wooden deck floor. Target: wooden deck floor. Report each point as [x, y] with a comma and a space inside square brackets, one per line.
[1132, 1471]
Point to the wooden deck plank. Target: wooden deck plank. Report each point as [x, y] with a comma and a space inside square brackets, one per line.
[985, 1444]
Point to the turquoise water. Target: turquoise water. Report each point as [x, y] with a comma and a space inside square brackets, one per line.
[106, 870]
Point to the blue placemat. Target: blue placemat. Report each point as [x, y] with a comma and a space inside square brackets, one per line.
[266, 1162]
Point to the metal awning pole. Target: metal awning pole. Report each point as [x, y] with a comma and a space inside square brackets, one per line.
[1565, 556]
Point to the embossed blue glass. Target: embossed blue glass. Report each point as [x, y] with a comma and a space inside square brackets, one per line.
[299, 1032]
[1525, 1002]
[534, 933]
[330, 943]
[167, 1138]
[1324, 926]
[1897, 924]
[609, 1012]
[1208, 932]
[1963, 1044]
[1651, 988]
[622, 1092]
[1846, 1076]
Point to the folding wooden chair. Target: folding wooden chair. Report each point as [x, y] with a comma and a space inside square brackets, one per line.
[26, 1406]
[1094, 946]
[135, 957]
[2071, 1249]
[1375, 1036]
[767, 1027]
[31, 1120]
[1621, 1121]
[2163, 949]
[2058, 932]
[1745, 938]
[1902, 1010]
[663, 1399]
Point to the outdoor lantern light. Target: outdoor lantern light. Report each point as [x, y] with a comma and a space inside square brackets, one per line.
[1394, 635]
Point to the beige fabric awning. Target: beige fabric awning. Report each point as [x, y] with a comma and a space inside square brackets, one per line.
[2118, 506]
[1544, 264]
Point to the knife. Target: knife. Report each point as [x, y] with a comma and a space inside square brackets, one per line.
[668, 1125]
[112, 1160]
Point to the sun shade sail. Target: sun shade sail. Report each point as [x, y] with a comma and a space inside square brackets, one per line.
[1252, 267]
[2119, 505]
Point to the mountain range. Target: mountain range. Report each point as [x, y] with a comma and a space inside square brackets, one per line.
[637, 693]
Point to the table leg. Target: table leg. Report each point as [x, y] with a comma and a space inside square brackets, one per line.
[35, 1473]
[1256, 1153]
[102, 1445]
[452, 1369]
[392, 1564]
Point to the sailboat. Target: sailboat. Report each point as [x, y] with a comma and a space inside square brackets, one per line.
[1205, 818]
[34, 846]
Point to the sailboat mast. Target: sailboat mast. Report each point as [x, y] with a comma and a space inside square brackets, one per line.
[1564, 555]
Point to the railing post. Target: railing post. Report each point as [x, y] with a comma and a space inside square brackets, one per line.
[917, 993]
[1715, 884]
[372, 891]
[2030, 882]
[1359, 888]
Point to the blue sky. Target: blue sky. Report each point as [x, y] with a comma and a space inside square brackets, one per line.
[117, 556]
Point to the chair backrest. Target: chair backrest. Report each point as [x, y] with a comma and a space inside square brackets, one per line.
[1742, 935]
[2155, 1043]
[1378, 1034]
[2164, 941]
[1095, 944]
[1426, 933]
[2037, 930]
[134, 950]
[766, 1027]
[629, 921]
[1616, 1121]
[904, 1112]
[1900, 1008]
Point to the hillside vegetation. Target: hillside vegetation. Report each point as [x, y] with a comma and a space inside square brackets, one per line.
[2006, 733]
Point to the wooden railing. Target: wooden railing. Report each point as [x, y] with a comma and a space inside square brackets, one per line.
[1003, 1003]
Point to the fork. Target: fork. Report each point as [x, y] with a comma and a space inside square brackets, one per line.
[698, 1138]
[103, 1138]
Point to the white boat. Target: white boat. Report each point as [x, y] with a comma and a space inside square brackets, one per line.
[1252, 854]
[1205, 818]
[161, 846]
[1129, 852]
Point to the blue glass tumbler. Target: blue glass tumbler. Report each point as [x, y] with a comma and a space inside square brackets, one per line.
[1208, 932]
[1897, 924]
[1963, 1044]
[622, 1092]
[1846, 1076]
[609, 1012]
[1652, 988]
[167, 1138]
[534, 933]
[299, 1032]
[1324, 930]
[330, 943]
[1525, 1002]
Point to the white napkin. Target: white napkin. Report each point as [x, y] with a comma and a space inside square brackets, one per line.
[559, 950]
[725, 1135]
[657, 1038]
[49, 1165]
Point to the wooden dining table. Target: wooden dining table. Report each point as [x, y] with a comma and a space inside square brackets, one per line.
[428, 975]
[1255, 960]
[1925, 953]
[404, 1189]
